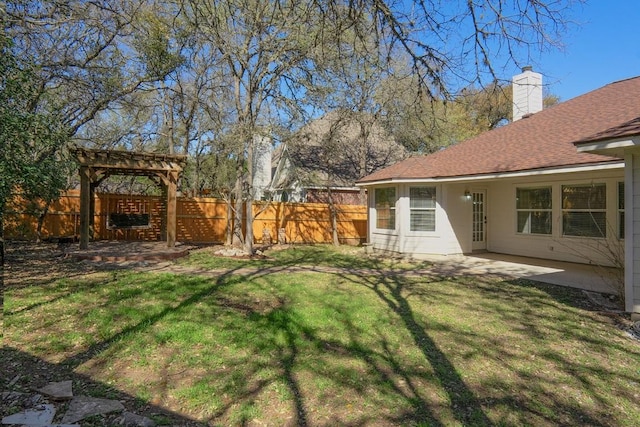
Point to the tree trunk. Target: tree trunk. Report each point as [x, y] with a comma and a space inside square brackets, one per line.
[229, 229]
[334, 218]
[248, 237]
[1, 264]
[41, 218]
[237, 238]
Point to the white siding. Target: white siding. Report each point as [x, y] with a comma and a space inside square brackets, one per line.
[632, 212]
[458, 217]
[451, 211]
[262, 149]
[454, 215]
[383, 240]
[527, 94]
[453, 224]
[503, 236]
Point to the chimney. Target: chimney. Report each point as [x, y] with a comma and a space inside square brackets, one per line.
[527, 93]
[262, 151]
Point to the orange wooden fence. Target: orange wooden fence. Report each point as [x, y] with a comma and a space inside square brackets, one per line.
[200, 220]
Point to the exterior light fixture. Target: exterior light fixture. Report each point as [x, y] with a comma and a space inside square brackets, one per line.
[467, 195]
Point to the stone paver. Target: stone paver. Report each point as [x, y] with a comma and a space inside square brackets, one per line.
[58, 390]
[41, 415]
[82, 407]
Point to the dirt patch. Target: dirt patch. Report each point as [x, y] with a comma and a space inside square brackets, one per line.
[29, 264]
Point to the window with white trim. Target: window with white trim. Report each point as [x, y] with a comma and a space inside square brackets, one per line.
[422, 207]
[584, 210]
[533, 207]
[621, 210]
[385, 202]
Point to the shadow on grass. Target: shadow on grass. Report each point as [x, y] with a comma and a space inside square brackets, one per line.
[27, 373]
[281, 341]
[79, 358]
[536, 326]
[284, 336]
[308, 255]
[592, 333]
[29, 264]
[70, 289]
[466, 407]
[279, 321]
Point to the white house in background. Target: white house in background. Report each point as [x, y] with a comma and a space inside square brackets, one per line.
[329, 154]
[261, 164]
[524, 188]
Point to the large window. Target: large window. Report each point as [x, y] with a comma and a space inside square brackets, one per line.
[533, 207]
[584, 210]
[385, 199]
[621, 210]
[423, 208]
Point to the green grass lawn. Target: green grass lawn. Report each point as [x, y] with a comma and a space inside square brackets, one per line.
[308, 255]
[334, 348]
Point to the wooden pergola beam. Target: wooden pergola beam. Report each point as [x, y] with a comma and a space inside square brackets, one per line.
[96, 165]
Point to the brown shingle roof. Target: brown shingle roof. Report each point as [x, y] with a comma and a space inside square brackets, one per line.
[542, 140]
[630, 128]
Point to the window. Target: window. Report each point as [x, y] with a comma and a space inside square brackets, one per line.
[385, 199]
[533, 207]
[128, 220]
[422, 202]
[584, 210]
[621, 210]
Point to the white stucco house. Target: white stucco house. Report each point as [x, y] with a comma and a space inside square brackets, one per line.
[552, 184]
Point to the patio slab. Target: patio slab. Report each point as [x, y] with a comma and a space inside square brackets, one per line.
[582, 276]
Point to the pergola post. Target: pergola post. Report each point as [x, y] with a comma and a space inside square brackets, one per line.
[85, 206]
[92, 209]
[172, 205]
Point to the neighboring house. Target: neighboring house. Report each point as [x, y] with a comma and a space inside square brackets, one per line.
[524, 188]
[326, 157]
[261, 164]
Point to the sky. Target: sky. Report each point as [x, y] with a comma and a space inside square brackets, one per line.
[605, 48]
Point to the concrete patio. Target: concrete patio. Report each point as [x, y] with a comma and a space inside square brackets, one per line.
[582, 276]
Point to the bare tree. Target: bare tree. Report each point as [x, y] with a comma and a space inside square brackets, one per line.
[86, 54]
[265, 49]
[459, 41]
[207, 77]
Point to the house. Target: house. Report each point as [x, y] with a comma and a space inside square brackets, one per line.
[327, 156]
[552, 184]
[261, 159]
[623, 141]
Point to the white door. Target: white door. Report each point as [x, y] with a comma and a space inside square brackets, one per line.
[479, 224]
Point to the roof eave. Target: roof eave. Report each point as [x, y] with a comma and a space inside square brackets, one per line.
[612, 164]
[609, 147]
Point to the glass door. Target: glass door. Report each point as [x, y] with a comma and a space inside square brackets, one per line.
[479, 226]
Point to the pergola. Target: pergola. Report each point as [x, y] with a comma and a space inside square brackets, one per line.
[97, 165]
